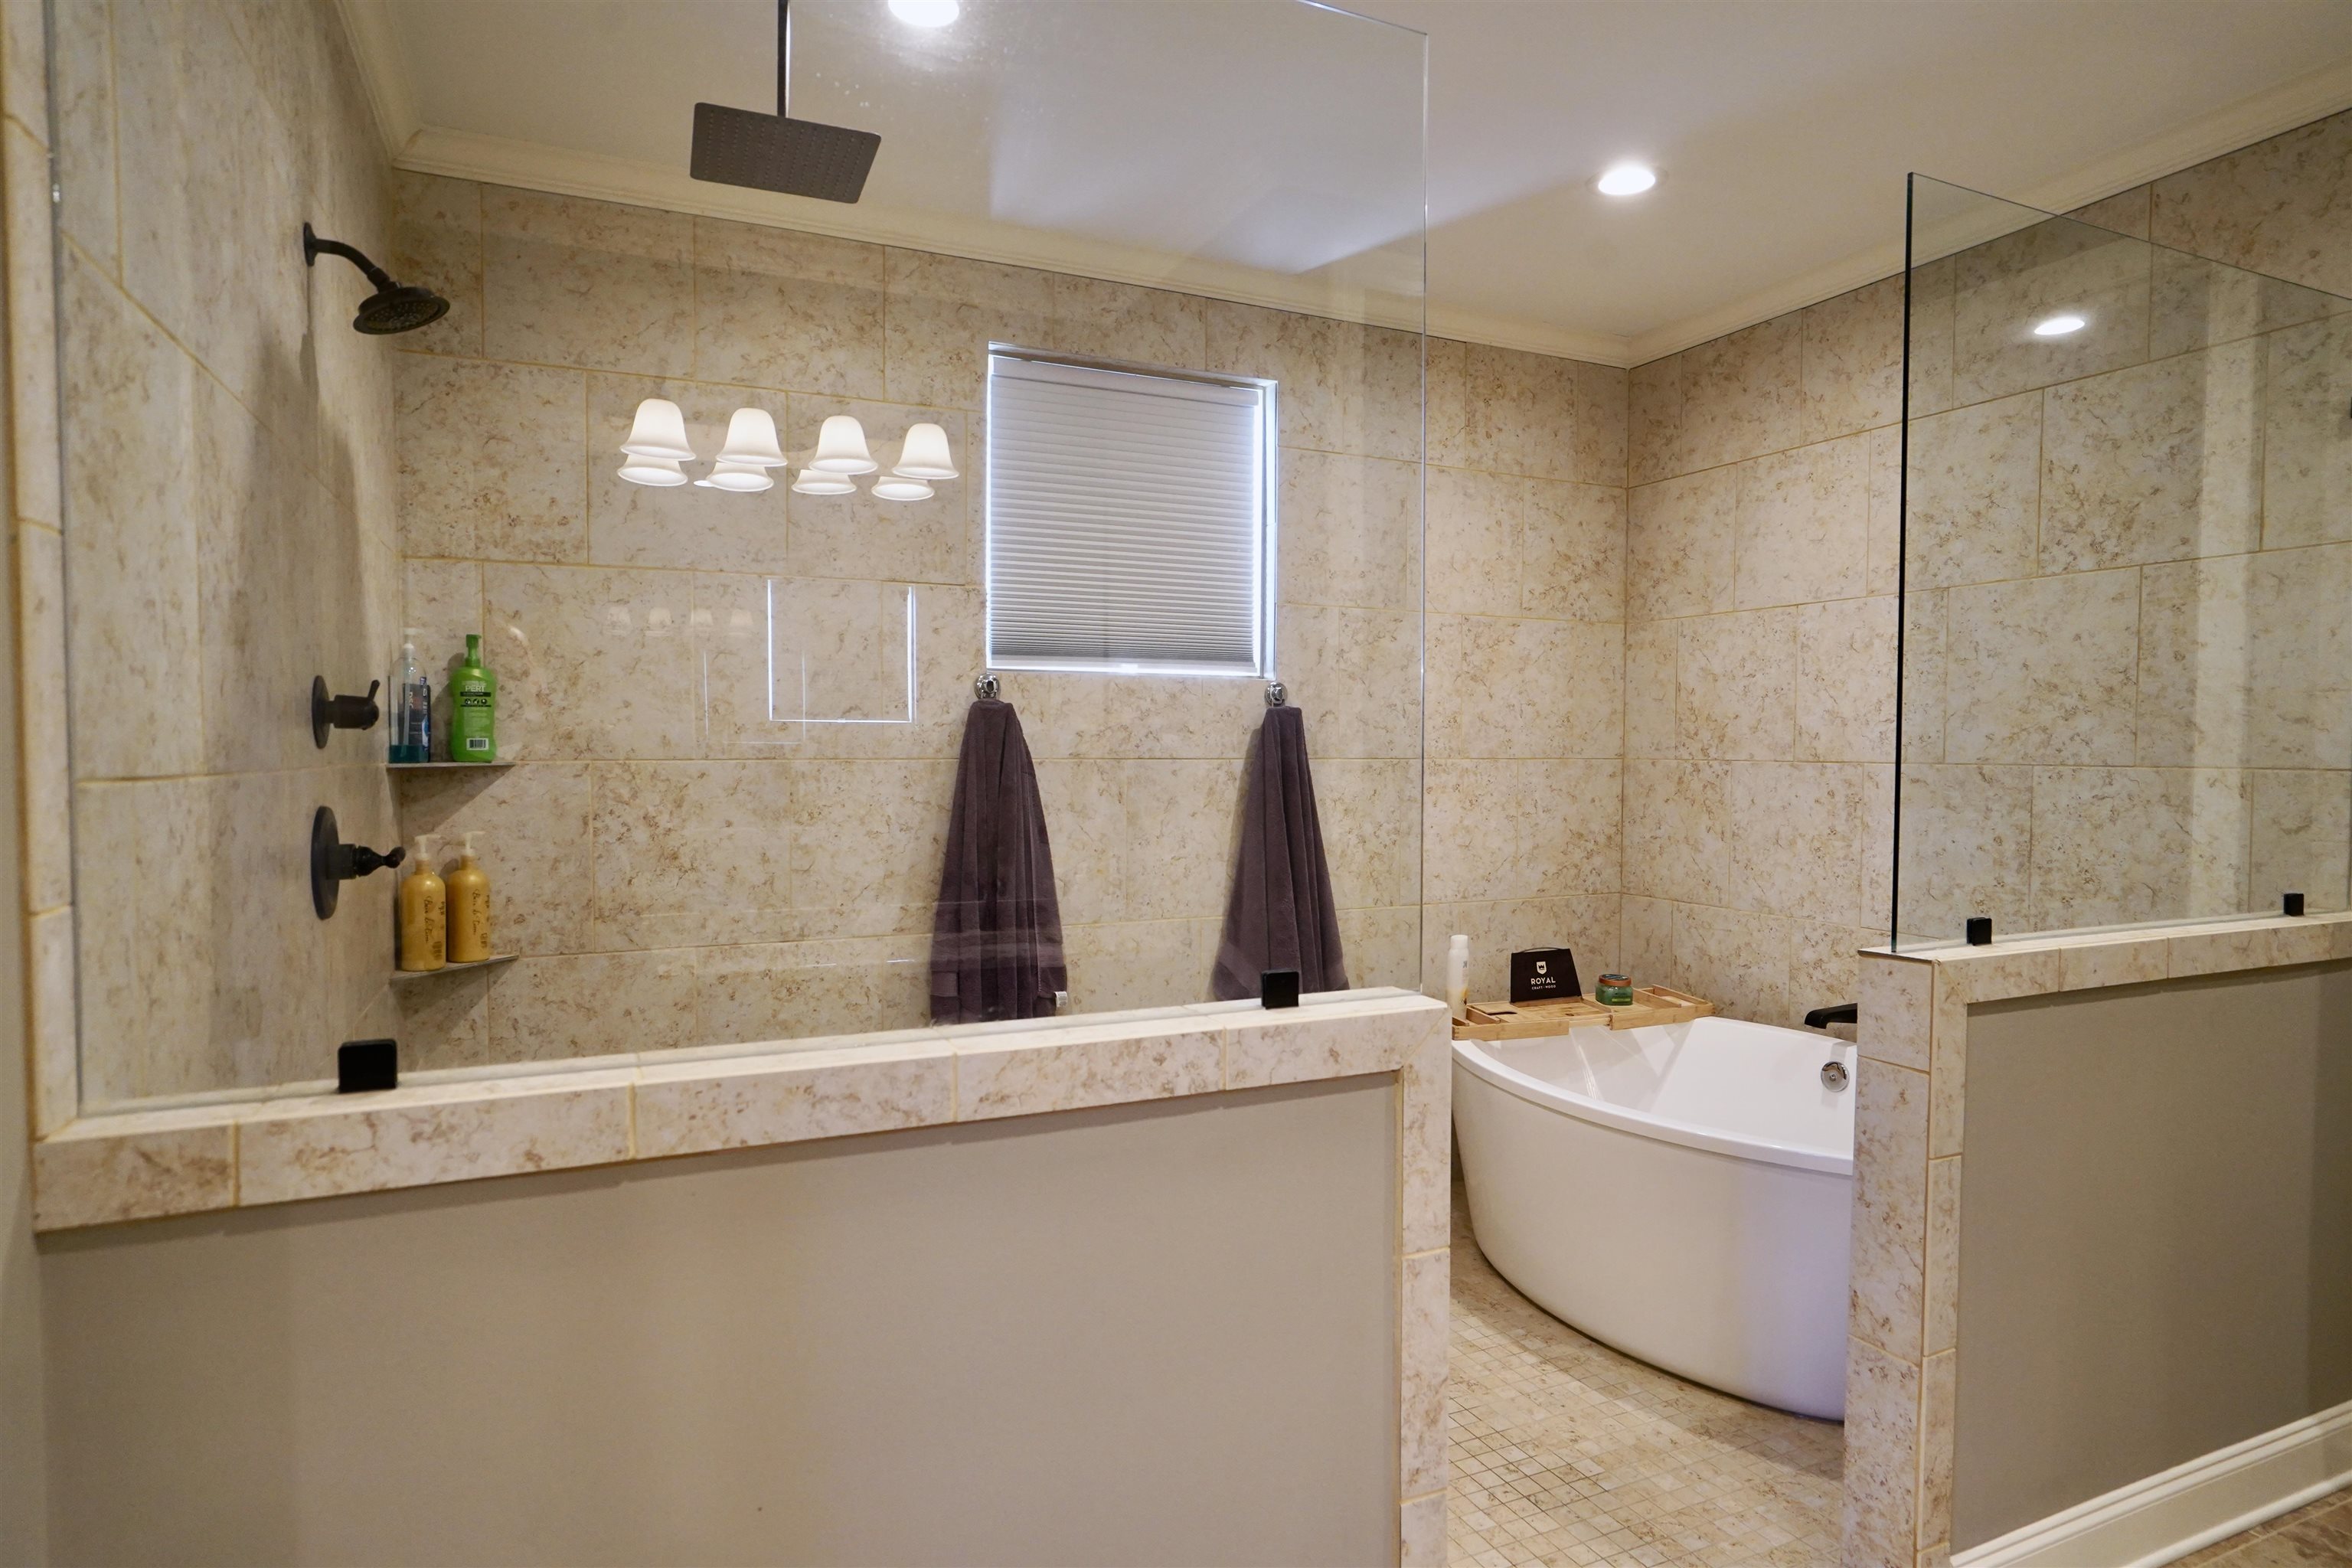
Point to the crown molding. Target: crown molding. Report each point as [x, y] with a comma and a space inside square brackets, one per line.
[2297, 102]
[383, 76]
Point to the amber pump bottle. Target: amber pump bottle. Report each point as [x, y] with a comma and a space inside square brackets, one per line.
[470, 908]
[423, 912]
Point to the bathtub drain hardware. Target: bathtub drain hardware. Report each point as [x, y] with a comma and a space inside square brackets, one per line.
[1833, 1076]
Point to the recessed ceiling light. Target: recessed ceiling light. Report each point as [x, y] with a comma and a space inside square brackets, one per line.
[2059, 326]
[1621, 180]
[925, 13]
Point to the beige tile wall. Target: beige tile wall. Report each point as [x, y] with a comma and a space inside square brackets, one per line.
[227, 532]
[677, 869]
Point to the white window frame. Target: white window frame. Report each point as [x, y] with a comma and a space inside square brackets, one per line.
[1268, 485]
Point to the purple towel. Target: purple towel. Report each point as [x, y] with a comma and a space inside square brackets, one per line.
[1281, 915]
[996, 935]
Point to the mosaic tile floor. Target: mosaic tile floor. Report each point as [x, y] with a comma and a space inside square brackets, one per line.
[2316, 1534]
[1566, 1452]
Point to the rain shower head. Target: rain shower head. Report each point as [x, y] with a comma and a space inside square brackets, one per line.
[776, 153]
[394, 307]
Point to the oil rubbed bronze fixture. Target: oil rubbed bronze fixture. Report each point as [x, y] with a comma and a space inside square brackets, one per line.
[777, 152]
[394, 307]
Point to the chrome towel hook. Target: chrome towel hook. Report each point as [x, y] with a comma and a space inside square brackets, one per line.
[1275, 694]
[985, 686]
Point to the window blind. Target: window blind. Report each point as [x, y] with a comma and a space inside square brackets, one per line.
[1127, 519]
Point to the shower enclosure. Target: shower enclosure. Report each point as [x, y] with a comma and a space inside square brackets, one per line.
[728, 722]
[2127, 656]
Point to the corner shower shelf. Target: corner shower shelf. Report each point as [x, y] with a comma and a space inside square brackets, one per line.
[400, 977]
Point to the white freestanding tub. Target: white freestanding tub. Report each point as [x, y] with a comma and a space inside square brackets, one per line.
[1681, 1193]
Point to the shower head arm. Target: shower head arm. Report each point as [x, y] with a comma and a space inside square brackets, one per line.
[314, 247]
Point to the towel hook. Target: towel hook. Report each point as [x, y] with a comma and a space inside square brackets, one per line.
[985, 686]
[1275, 694]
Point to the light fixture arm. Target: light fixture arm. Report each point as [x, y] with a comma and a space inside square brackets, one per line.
[783, 57]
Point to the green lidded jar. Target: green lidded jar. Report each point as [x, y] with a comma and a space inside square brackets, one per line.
[1614, 991]
[472, 695]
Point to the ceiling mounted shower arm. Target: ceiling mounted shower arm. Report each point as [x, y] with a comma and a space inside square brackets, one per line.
[783, 58]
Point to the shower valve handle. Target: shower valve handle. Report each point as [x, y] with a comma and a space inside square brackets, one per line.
[342, 712]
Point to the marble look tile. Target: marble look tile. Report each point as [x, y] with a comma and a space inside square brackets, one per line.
[592, 662]
[1382, 947]
[866, 842]
[591, 1004]
[942, 313]
[1421, 1532]
[1381, 369]
[2001, 287]
[32, 319]
[2043, 670]
[1845, 681]
[1522, 687]
[774, 307]
[1182, 833]
[1938, 1387]
[1317, 362]
[1601, 425]
[1947, 1073]
[1569, 837]
[1877, 848]
[691, 1108]
[1795, 839]
[134, 1166]
[1474, 541]
[1421, 1337]
[1350, 671]
[787, 664]
[24, 86]
[1572, 551]
[2198, 303]
[1890, 1205]
[2117, 846]
[1139, 964]
[426, 1136]
[132, 542]
[1886, 510]
[1425, 1141]
[1085, 813]
[441, 604]
[1803, 530]
[1471, 835]
[2244, 661]
[446, 1023]
[436, 240]
[1069, 1069]
[2156, 462]
[1897, 1010]
[492, 460]
[2124, 213]
[1654, 421]
[1678, 829]
[1679, 545]
[1342, 1040]
[51, 1028]
[1926, 628]
[693, 850]
[2278, 206]
[1996, 974]
[629, 524]
[856, 535]
[1737, 960]
[2222, 950]
[1370, 814]
[1930, 338]
[2301, 837]
[2306, 449]
[1743, 394]
[1350, 532]
[771, 990]
[48, 865]
[1650, 728]
[1966, 849]
[1121, 322]
[2129, 961]
[1214, 716]
[1973, 496]
[571, 281]
[1735, 685]
[1854, 361]
[1645, 942]
[1824, 967]
[1943, 1255]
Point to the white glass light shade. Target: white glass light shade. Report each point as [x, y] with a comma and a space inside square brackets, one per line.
[742, 479]
[751, 440]
[926, 12]
[841, 447]
[901, 489]
[925, 456]
[1626, 180]
[658, 431]
[813, 483]
[2060, 326]
[660, 472]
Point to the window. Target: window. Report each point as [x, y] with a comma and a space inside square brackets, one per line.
[1130, 518]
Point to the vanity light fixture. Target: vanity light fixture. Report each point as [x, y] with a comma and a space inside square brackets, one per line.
[1626, 180]
[751, 441]
[815, 482]
[739, 478]
[658, 431]
[2059, 326]
[897, 487]
[924, 456]
[841, 447]
[660, 472]
[926, 12]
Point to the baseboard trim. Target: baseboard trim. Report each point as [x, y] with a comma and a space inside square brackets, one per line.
[2189, 1507]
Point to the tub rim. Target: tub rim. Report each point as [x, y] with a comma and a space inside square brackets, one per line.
[1472, 1056]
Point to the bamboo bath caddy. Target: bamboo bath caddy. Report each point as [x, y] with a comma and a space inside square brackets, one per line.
[1525, 1020]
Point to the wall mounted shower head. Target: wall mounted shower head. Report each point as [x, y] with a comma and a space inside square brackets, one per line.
[394, 307]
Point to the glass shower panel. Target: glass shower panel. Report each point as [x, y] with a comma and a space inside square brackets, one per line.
[728, 722]
[2127, 666]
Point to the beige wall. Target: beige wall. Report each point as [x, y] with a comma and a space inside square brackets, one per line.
[2194, 1287]
[1147, 1335]
[2154, 619]
[228, 534]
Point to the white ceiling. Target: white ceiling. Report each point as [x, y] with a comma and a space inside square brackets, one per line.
[1272, 143]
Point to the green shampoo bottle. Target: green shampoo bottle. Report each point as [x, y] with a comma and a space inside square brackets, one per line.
[473, 708]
